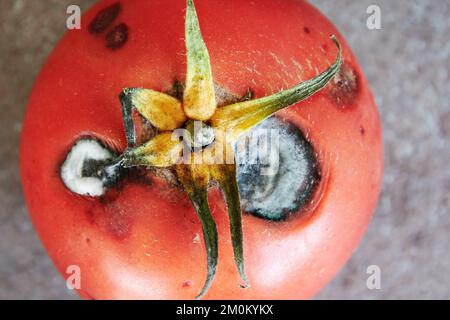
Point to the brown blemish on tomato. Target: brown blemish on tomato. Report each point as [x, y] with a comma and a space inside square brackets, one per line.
[104, 19]
[306, 30]
[117, 37]
[344, 87]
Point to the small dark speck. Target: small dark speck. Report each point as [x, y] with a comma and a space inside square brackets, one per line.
[88, 240]
[362, 131]
[306, 29]
[117, 37]
[104, 18]
[187, 284]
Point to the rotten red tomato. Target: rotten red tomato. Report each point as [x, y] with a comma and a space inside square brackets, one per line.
[228, 150]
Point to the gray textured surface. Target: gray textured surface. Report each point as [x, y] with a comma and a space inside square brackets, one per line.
[408, 65]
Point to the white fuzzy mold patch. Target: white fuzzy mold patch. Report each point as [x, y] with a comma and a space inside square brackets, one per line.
[72, 168]
[284, 175]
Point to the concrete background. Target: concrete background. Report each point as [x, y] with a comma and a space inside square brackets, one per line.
[407, 63]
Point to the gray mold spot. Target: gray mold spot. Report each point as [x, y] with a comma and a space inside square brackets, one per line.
[282, 180]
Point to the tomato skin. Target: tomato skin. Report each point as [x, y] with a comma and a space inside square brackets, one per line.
[144, 242]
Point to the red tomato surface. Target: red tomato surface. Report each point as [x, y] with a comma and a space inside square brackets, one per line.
[141, 242]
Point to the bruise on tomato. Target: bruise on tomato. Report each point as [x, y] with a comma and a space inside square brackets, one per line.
[111, 215]
[344, 87]
[104, 18]
[170, 191]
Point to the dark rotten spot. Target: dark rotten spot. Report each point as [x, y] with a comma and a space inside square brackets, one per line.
[306, 30]
[280, 186]
[104, 19]
[117, 37]
[344, 87]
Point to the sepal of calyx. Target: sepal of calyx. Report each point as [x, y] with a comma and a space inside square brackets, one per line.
[168, 114]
